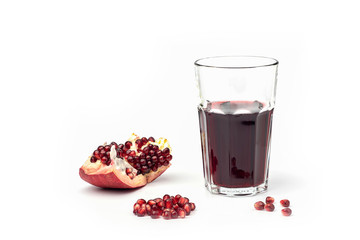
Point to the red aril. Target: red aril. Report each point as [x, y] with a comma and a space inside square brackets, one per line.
[269, 200]
[269, 207]
[285, 203]
[259, 205]
[286, 211]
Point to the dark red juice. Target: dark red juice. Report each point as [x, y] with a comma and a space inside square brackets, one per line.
[235, 141]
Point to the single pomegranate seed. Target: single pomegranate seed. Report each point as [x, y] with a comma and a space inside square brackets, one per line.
[131, 175]
[285, 203]
[166, 163]
[96, 154]
[151, 139]
[145, 169]
[152, 152]
[259, 205]
[93, 159]
[161, 159]
[146, 150]
[154, 168]
[166, 214]
[166, 197]
[133, 153]
[148, 209]
[128, 170]
[160, 204]
[128, 144]
[128, 152]
[107, 148]
[150, 146]
[144, 140]
[136, 207]
[187, 208]
[107, 154]
[100, 148]
[155, 213]
[158, 153]
[151, 202]
[166, 151]
[142, 155]
[176, 198]
[141, 201]
[286, 211]
[137, 166]
[175, 206]
[168, 203]
[168, 158]
[181, 212]
[148, 157]
[192, 206]
[104, 159]
[108, 162]
[154, 159]
[142, 211]
[174, 214]
[156, 148]
[142, 162]
[183, 201]
[149, 163]
[102, 153]
[269, 200]
[130, 159]
[269, 207]
[121, 146]
[138, 142]
[158, 200]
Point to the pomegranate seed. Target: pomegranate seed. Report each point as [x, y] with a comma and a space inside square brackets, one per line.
[96, 154]
[145, 169]
[148, 157]
[93, 159]
[285, 203]
[128, 144]
[158, 153]
[142, 155]
[151, 139]
[148, 209]
[142, 161]
[128, 152]
[286, 211]
[161, 159]
[192, 206]
[141, 201]
[154, 159]
[166, 151]
[130, 159]
[107, 148]
[102, 153]
[181, 212]
[137, 166]
[114, 144]
[107, 154]
[108, 162]
[166, 163]
[142, 211]
[166, 197]
[146, 150]
[160, 204]
[177, 197]
[168, 158]
[175, 206]
[269, 200]
[131, 175]
[152, 152]
[158, 200]
[156, 148]
[149, 163]
[100, 148]
[168, 203]
[154, 168]
[269, 207]
[121, 146]
[150, 146]
[174, 214]
[138, 142]
[155, 213]
[144, 140]
[151, 202]
[187, 208]
[104, 159]
[136, 207]
[259, 205]
[166, 214]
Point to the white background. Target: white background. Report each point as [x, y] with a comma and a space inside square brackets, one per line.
[77, 73]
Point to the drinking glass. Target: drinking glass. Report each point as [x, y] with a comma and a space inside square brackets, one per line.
[237, 100]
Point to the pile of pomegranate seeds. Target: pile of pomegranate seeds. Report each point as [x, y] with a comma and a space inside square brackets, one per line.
[145, 156]
[269, 206]
[169, 207]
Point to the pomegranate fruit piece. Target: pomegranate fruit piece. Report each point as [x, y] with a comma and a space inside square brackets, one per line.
[286, 211]
[285, 203]
[259, 205]
[129, 165]
[269, 200]
[269, 207]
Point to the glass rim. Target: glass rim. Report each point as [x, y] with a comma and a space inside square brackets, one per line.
[271, 62]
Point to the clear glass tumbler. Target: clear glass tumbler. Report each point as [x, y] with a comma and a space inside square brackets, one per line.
[237, 99]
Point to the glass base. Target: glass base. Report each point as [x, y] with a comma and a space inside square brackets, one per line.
[249, 191]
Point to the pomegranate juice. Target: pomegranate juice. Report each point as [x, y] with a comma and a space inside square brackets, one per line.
[235, 141]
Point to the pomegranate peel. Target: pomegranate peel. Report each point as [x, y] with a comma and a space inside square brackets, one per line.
[118, 166]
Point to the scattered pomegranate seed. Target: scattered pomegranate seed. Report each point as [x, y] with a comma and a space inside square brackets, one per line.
[166, 151]
[142, 211]
[168, 203]
[161, 204]
[144, 140]
[148, 209]
[269, 207]
[128, 144]
[181, 212]
[155, 213]
[136, 207]
[259, 205]
[151, 202]
[166, 196]
[177, 197]
[174, 214]
[166, 214]
[187, 208]
[285, 203]
[286, 211]
[141, 201]
[151, 139]
[192, 206]
[269, 200]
